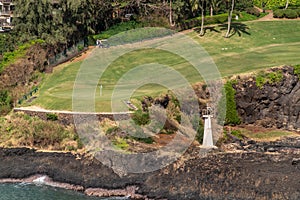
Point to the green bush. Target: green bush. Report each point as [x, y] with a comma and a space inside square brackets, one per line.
[5, 102]
[200, 132]
[290, 14]
[113, 129]
[297, 70]
[253, 11]
[141, 118]
[275, 77]
[298, 12]
[147, 140]
[272, 77]
[242, 5]
[120, 143]
[231, 115]
[244, 16]
[278, 13]
[216, 19]
[80, 47]
[51, 116]
[237, 133]
[260, 81]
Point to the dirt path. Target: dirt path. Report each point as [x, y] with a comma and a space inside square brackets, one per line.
[82, 56]
[267, 17]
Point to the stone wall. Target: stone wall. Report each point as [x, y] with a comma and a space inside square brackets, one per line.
[274, 105]
[67, 118]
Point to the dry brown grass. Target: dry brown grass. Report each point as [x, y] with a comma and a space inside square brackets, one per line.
[20, 130]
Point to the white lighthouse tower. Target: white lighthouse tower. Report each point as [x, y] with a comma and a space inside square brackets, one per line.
[208, 137]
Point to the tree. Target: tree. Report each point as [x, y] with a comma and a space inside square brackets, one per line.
[287, 4]
[63, 22]
[214, 6]
[230, 18]
[202, 18]
[172, 23]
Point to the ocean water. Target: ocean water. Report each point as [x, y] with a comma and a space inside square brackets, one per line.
[21, 191]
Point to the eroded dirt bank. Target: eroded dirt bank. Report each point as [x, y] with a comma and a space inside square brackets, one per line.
[253, 173]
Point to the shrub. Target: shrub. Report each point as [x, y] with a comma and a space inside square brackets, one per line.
[113, 129]
[200, 132]
[19, 131]
[237, 133]
[298, 12]
[275, 77]
[120, 143]
[297, 70]
[51, 116]
[231, 115]
[242, 5]
[140, 117]
[260, 81]
[272, 77]
[80, 47]
[290, 14]
[278, 13]
[5, 102]
[253, 11]
[216, 19]
[147, 140]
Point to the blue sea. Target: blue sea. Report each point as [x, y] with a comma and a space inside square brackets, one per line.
[22, 191]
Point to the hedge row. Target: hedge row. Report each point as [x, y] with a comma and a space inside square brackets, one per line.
[216, 19]
[286, 13]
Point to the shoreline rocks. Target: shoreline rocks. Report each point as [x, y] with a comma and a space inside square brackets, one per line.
[217, 175]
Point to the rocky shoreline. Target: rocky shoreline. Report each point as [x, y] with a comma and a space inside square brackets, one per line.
[251, 170]
[128, 192]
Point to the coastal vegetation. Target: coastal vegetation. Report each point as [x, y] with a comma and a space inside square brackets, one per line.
[268, 77]
[231, 115]
[18, 129]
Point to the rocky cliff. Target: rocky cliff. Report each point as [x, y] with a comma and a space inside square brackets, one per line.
[274, 102]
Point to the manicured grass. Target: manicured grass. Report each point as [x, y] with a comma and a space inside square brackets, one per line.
[56, 90]
[267, 44]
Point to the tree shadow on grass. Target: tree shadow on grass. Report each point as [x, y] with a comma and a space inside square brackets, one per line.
[207, 28]
[236, 28]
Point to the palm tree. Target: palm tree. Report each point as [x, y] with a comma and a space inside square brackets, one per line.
[202, 18]
[287, 4]
[230, 19]
[172, 23]
[214, 5]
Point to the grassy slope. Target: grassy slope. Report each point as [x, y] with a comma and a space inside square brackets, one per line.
[269, 44]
